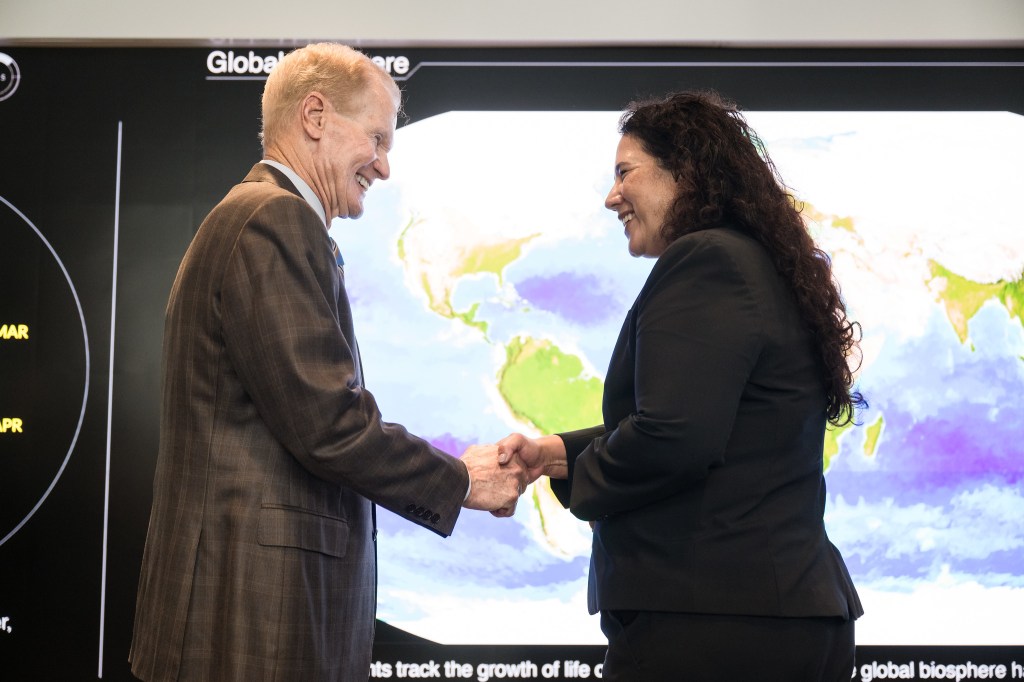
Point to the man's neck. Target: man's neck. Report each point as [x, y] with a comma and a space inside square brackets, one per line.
[300, 184]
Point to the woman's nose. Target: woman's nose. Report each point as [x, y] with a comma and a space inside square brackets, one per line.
[613, 199]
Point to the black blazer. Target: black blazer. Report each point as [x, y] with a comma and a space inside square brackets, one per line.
[705, 480]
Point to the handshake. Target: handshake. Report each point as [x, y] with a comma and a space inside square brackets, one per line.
[499, 473]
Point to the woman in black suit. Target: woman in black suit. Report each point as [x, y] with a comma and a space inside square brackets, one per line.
[704, 484]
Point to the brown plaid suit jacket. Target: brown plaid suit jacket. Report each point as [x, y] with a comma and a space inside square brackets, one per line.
[260, 559]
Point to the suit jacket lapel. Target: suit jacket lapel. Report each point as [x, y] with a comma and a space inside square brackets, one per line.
[262, 172]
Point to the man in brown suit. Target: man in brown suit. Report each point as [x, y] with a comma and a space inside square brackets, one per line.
[260, 560]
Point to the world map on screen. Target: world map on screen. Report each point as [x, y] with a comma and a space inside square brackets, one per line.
[489, 284]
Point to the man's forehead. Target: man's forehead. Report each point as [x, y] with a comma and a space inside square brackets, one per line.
[387, 99]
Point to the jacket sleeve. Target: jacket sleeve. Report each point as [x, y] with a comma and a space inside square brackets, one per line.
[285, 337]
[696, 338]
[575, 442]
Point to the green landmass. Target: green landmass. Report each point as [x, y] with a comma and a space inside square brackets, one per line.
[872, 434]
[469, 318]
[810, 212]
[845, 223]
[548, 388]
[832, 435]
[493, 258]
[962, 298]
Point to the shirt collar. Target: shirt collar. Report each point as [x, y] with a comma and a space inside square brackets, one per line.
[305, 190]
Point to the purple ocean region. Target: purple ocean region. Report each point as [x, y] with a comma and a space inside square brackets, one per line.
[581, 299]
[450, 444]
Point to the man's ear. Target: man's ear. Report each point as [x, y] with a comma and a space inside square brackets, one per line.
[313, 112]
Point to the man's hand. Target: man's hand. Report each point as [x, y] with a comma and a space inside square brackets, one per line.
[493, 487]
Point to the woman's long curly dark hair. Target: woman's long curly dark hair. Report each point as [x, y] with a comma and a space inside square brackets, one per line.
[726, 179]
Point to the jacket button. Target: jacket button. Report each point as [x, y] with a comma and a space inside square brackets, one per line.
[435, 518]
[410, 509]
[419, 511]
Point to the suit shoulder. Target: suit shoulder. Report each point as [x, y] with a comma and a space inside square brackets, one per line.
[262, 191]
[719, 245]
[712, 260]
[714, 240]
[249, 201]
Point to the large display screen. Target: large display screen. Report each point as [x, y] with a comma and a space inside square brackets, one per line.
[488, 283]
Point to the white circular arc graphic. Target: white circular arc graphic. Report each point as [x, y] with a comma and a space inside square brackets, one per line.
[85, 392]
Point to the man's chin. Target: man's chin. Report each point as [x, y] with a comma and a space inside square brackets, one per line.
[355, 209]
[352, 214]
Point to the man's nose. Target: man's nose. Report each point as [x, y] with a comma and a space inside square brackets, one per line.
[383, 166]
